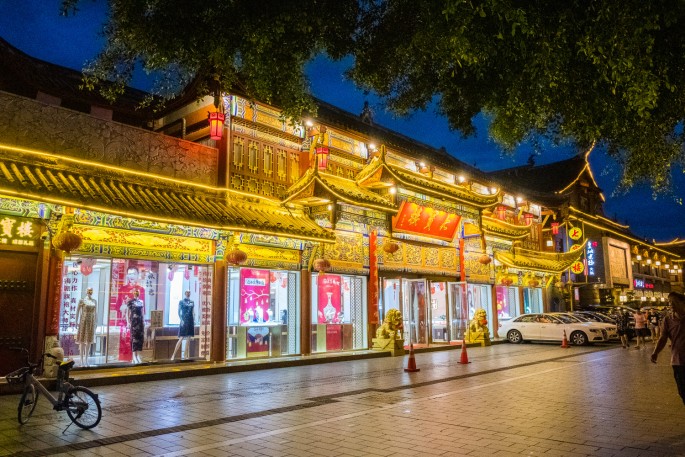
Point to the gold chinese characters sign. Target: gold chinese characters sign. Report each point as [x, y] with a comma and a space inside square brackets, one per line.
[423, 220]
[18, 231]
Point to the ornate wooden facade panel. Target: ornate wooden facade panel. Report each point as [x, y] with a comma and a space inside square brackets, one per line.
[81, 136]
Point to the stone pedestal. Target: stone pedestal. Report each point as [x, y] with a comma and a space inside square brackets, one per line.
[393, 345]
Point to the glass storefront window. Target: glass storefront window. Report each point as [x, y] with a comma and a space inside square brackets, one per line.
[338, 312]
[479, 296]
[532, 300]
[263, 313]
[439, 311]
[507, 302]
[98, 328]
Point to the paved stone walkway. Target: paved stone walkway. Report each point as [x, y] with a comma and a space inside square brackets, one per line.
[512, 400]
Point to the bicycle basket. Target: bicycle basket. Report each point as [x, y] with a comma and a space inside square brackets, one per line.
[17, 377]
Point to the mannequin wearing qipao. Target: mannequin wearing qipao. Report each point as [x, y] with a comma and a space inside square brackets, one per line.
[136, 322]
[186, 327]
[86, 314]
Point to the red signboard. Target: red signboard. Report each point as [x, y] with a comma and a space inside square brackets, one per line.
[329, 309]
[254, 296]
[427, 221]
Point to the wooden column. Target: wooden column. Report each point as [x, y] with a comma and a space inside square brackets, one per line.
[305, 312]
[219, 303]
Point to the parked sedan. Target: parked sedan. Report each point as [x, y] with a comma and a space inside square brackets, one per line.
[548, 327]
[612, 332]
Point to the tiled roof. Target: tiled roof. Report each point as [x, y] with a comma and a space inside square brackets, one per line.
[25, 75]
[47, 178]
[543, 179]
[553, 262]
[498, 227]
[379, 169]
[317, 184]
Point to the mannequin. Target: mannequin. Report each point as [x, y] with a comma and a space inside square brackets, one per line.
[136, 322]
[86, 317]
[186, 329]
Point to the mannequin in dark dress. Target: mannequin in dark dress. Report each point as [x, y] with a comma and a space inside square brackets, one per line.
[186, 328]
[136, 322]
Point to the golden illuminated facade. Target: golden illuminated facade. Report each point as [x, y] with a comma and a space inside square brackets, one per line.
[286, 237]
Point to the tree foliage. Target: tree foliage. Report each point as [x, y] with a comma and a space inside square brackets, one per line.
[610, 71]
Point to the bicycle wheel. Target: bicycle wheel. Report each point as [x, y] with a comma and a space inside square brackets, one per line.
[83, 407]
[27, 404]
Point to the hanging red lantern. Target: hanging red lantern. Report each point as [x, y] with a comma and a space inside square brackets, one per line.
[390, 247]
[528, 217]
[555, 228]
[236, 257]
[67, 241]
[322, 157]
[533, 283]
[484, 259]
[507, 281]
[501, 212]
[322, 265]
[216, 125]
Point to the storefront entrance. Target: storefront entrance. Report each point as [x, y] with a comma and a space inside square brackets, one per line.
[433, 311]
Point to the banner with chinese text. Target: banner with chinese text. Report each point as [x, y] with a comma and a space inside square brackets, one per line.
[426, 221]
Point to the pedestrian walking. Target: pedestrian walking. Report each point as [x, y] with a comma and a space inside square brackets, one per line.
[673, 328]
[622, 325]
[640, 328]
[654, 317]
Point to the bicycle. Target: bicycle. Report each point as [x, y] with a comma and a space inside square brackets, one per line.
[80, 403]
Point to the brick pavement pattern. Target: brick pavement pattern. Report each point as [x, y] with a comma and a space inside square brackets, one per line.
[512, 400]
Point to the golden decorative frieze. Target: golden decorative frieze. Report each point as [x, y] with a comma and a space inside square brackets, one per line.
[552, 262]
[493, 226]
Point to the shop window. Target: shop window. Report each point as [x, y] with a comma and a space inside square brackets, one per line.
[268, 161]
[106, 336]
[252, 156]
[238, 151]
[281, 164]
[263, 313]
[338, 312]
[478, 296]
[507, 302]
[532, 300]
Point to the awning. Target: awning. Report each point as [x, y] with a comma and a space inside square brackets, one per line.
[549, 262]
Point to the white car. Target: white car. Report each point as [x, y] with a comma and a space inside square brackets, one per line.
[612, 331]
[551, 327]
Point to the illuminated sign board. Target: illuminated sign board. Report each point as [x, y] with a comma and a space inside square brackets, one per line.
[426, 221]
[642, 284]
[18, 231]
[590, 257]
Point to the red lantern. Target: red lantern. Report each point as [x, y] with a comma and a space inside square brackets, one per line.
[533, 283]
[322, 265]
[216, 125]
[507, 281]
[528, 218]
[67, 241]
[484, 259]
[390, 247]
[322, 157]
[555, 228]
[236, 257]
[501, 212]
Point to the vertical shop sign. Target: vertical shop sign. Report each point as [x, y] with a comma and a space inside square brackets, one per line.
[330, 310]
[373, 278]
[205, 284]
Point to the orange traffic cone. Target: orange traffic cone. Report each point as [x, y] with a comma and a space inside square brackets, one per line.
[411, 365]
[564, 342]
[464, 356]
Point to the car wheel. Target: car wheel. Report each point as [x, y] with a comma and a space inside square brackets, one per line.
[514, 336]
[579, 338]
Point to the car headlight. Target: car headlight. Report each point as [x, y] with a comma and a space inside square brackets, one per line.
[595, 330]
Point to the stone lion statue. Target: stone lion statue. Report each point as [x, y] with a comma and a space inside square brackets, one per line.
[392, 325]
[478, 331]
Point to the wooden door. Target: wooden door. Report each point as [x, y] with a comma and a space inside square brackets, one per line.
[17, 306]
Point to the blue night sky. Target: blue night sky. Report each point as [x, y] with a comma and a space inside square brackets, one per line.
[36, 28]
